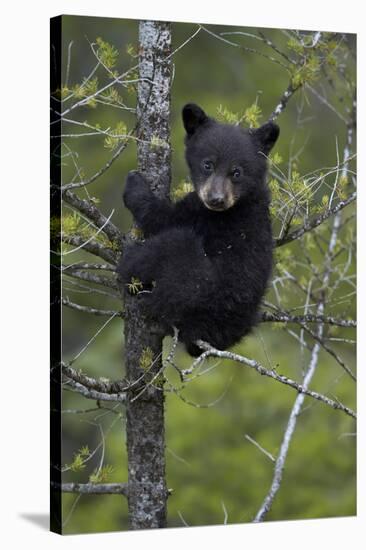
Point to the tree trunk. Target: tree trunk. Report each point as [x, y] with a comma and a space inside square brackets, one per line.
[147, 491]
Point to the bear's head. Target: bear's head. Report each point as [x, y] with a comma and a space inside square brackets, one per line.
[227, 163]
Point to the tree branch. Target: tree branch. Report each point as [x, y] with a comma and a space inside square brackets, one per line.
[94, 214]
[286, 96]
[102, 389]
[283, 317]
[244, 48]
[84, 265]
[92, 278]
[94, 394]
[93, 488]
[100, 172]
[296, 409]
[92, 247]
[280, 461]
[252, 363]
[87, 309]
[330, 351]
[314, 222]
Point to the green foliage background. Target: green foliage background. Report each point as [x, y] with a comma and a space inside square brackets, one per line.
[211, 466]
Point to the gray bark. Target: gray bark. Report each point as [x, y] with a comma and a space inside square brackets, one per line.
[147, 491]
[153, 104]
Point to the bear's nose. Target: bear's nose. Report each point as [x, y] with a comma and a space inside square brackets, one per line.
[217, 201]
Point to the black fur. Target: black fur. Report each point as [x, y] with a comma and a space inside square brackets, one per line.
[205, 270]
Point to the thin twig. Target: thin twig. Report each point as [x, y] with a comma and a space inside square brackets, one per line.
[104, 168]
[184, 43]
[330, 351]
[92, 339]
[244, 48]
[256, 444]
[87, 309]
[108, 282]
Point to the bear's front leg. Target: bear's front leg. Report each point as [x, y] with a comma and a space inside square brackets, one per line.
[137, 192]
[151, 213]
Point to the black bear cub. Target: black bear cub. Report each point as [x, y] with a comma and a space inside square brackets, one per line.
[205, 261]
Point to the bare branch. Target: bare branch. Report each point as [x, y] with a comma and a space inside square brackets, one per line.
[94, 214]
[271, 373]
[283, 317]
[185, 42]
[286, 96]
[330, 351]
[296, 409]
[80, 288]
[98, 408]
[87, 309]
[103, 385]
[109, 282]
[91, 340]
[84, 265]
[68, 63]
[102, 389]
[92, 488]
[93, 247]
[256, 444]
[325, 102]
[269, 43]
[85, 100]
[280, 462]
[244, 48]
[315, 222]
[94, 394]
[102, 170]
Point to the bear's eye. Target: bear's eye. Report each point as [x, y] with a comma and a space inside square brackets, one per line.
[208, 165]
[237, 173]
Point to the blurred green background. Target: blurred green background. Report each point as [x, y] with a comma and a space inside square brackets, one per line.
[211, 466]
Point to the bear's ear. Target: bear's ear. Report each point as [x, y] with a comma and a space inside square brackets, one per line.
[193, 117]
[266, 136]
